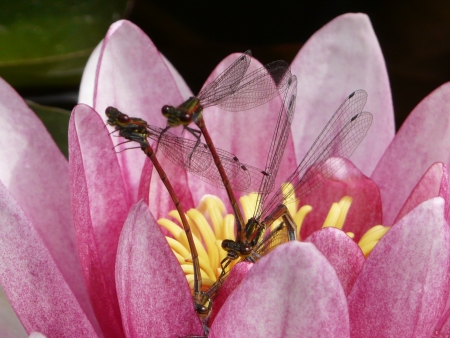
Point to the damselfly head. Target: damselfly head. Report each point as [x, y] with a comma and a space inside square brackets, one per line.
[177, 116]
[202, 305]
[236, 249]
[167, 110]
[115, 117]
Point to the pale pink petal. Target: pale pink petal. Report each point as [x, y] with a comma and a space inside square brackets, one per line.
[100, 206]
[233, 280]
[37, 290]
[144, 184]
[86, 94]
[342, 253]
[433, 183]
[341, 57]
[404, 284]
[292, 292]
[10, 325]
[37, 175]
[365, 211]
[247, 135]
[423, 139]
[442, 328]
[159, 200]
[154, 296]
[133, 77]
[37, 335]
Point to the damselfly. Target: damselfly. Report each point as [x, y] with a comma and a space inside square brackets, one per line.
[202, 302]
[232, 90]
[337, 141]
[193, 156]
[187, 154]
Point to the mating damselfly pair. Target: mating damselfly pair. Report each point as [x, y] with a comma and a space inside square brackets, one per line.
[235, 89]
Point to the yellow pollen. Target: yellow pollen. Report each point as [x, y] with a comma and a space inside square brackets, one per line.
[300, 216]
[371, 238]
[248, 203]
[210, 225]
[338, 213]
[291, 203]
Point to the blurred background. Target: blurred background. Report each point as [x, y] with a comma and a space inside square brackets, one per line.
[45, 44]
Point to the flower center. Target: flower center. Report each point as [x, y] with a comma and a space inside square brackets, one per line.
[211, 224]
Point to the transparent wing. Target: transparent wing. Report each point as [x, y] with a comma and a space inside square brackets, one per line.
[337, 141]
[258, 87]
[196, 158]
[279, 139]
[226, 83]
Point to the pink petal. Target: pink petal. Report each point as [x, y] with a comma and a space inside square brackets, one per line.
[423, 139]
[154, 297]
[247, 134]
[144, 184]
[100, 207]
[404, 284]
[37, 290]
[342, 253]
[86, 94]
[433, 183]
[291, 292]
[159, 200]
[341, 57]
[36, 335]
[37, 175]
[234, 278]
[133, 77]
[365, 211]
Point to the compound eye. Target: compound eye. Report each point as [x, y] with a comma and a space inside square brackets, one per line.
[124, 118]
[165, 110]
[110, 111]
[226, 243]
[185, 117]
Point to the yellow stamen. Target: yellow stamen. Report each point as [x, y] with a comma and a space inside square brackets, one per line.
[350, 234]
[211, 225]
[228, 227]
[344, 204]
[207, 235]
[222, 253]
[371, 238]
[215, 208]
[292, 203]
[300, 216]
[248, 205]
[203, 266]
[176, 215]
[180, 236]
[177, 247]
[179, 258]
[338, 213]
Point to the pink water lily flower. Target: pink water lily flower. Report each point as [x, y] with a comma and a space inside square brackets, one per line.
[82, 256]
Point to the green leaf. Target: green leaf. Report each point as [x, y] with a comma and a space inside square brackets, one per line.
[48, 42]
[56, 120]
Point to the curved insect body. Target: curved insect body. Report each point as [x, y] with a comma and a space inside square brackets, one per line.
[232, 90]
[136, 130]
[193, 156]
[337, 141]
